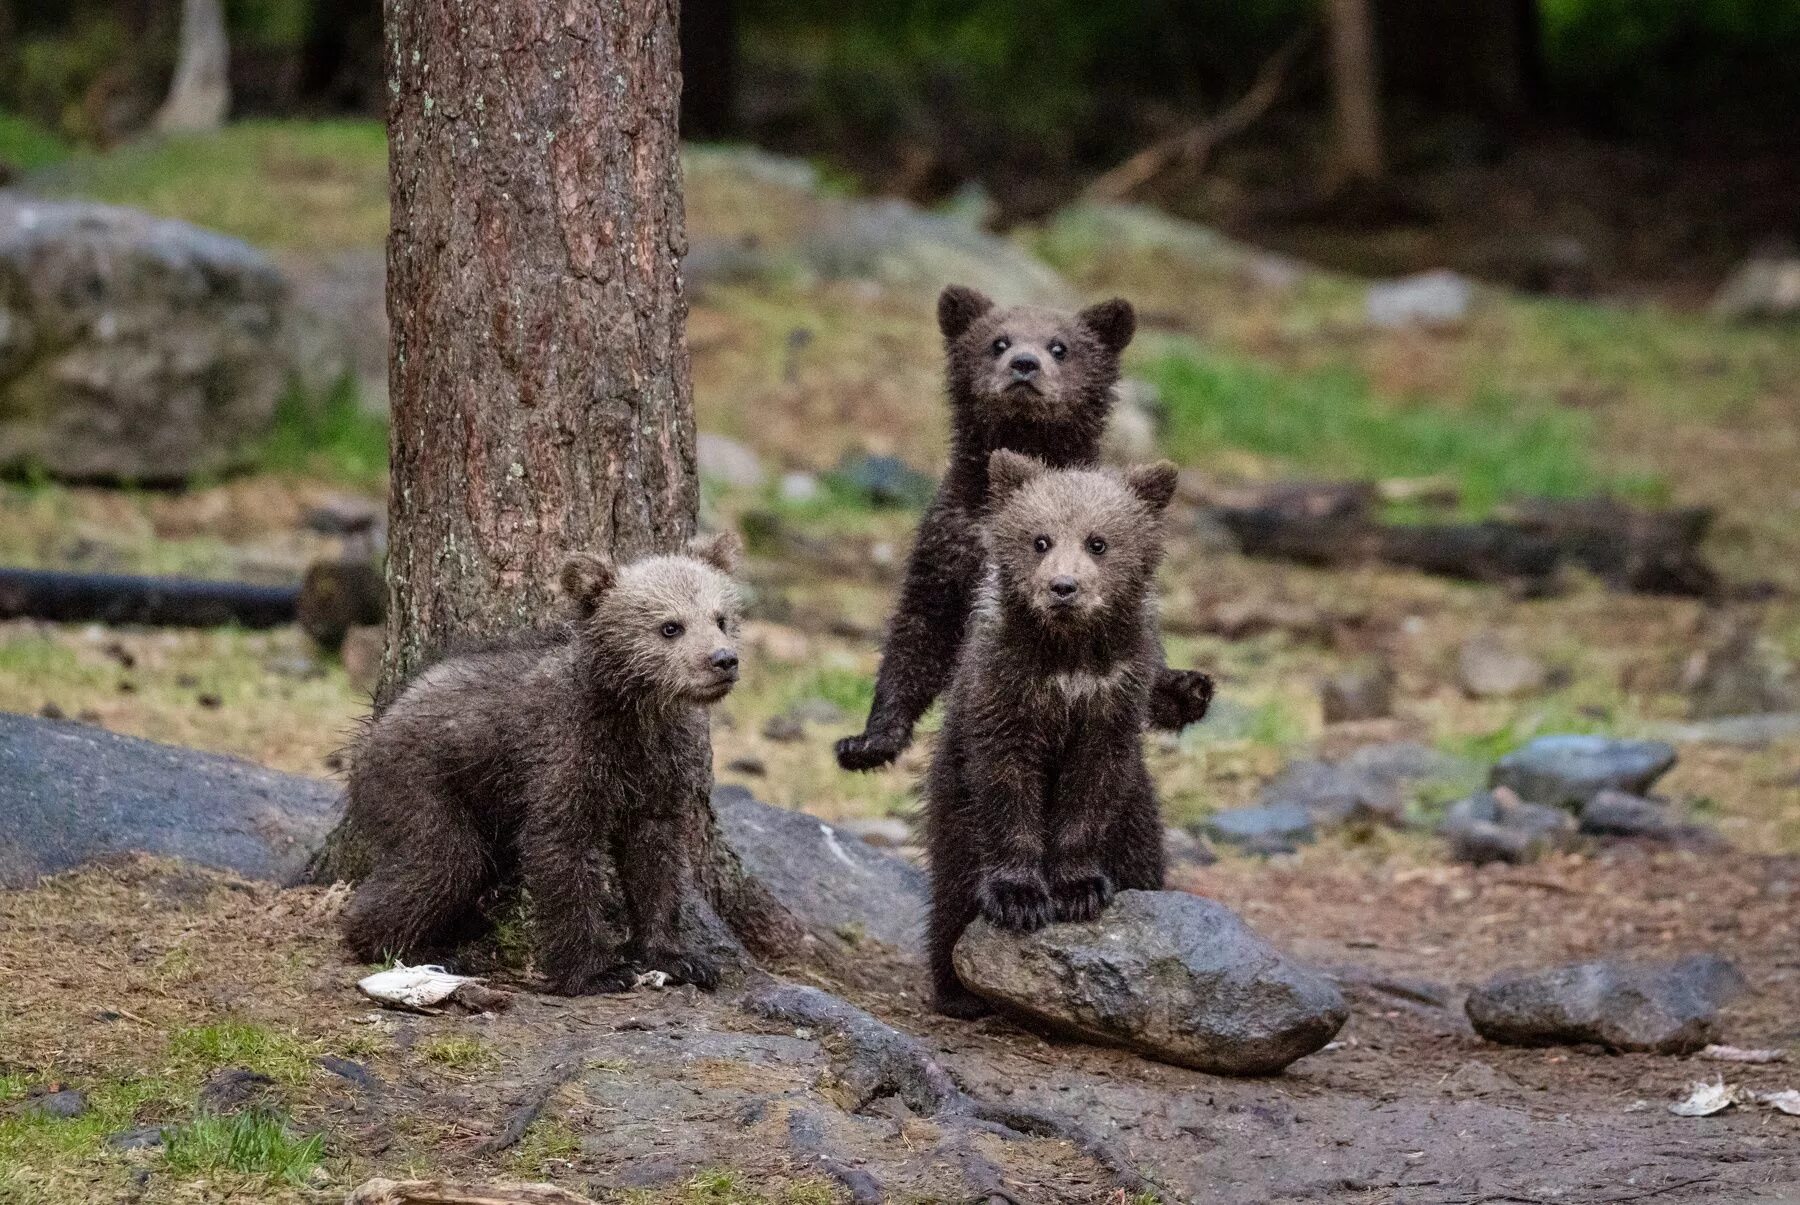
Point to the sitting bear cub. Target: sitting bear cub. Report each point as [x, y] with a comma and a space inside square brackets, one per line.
[1038, 803]
[571, 761]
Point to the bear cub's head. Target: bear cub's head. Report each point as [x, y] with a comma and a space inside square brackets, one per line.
[1028, 362]
[663, 625]
[1077, 547]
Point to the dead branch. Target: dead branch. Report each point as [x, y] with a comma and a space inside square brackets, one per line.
[1192, 147]
[443, 1192]
[158, 601]
[873, 1059]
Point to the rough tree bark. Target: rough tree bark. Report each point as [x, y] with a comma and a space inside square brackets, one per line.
[1356, 91]
[200, 95]
[538, 367]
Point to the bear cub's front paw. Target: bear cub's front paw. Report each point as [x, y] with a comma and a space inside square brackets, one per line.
[1016, 901]
[602, 981]
[696, 969]
[1081, 897]
[869, 750]
[1180, 697]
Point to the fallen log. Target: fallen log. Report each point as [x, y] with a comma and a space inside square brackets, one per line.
[117, 598]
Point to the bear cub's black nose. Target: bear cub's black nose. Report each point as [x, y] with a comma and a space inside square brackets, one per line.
[1063, 587]
[725, 661]
[1024, 366]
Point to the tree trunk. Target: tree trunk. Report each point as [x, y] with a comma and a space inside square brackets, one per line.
[200, 95]
[709, 48]
[538, 367]
[1356, 91]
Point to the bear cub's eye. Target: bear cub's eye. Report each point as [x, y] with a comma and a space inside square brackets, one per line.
[1059, 349]
[1096, 545]
[723, 626]
[1042, 544]
[671, 630]
[1001, 344]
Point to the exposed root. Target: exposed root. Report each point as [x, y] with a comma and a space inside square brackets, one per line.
[806, 1135]
[558, 1074]
[873, 1059]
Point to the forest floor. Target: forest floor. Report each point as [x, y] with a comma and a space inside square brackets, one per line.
[136, 983]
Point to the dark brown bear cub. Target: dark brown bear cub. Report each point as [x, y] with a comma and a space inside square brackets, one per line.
[1038, 803]
[1028, 380]
[569, 763]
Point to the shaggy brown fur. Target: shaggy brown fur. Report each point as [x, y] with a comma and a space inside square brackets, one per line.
[1029, 380]
[1039, 806]
[566, 762]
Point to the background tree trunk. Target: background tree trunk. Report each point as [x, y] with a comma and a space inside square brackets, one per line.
[1356, 91]
[200, 95]
[709, 50]
[538, 368]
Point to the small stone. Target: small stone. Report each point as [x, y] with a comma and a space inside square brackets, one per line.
[883, 832]
[346, 1069]
[784, 728]
[1366, 693]
[1266, 829]
[728, 462]
[1616, 814]
[800, 488]
[50, 711]
[343, 515]
[142, 1138]
[1664, 1008]
[61, 1105]
[1169, 975]
[1568, 770]
[817, 711]
[1487, 667]
[1496, 826]
[1438, 300]
[753, 767]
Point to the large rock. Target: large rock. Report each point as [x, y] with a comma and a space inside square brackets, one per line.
[1665, 1008]
[70, 793]
[133, 348]
[1763, 288]
[1567, 771]
[1172, 976]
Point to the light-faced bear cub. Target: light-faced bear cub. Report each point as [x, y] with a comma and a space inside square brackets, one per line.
[573, 762]
[1038, 803]
[1030, 380]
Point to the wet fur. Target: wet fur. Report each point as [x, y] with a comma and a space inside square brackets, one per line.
[568, 760]
[1038, 803]
[1060, 424]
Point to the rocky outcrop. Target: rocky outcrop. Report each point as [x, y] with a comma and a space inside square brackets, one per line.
[133, 348]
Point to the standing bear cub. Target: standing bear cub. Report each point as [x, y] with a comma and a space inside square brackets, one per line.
[572, 762]
[1028, 380]
[1038, 803]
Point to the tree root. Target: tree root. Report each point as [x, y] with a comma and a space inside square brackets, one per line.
[806, 1135]
[873, 1059]
[443, 1192]
[558, 1074]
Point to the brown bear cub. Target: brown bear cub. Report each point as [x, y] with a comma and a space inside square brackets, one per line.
[1038, 803]
[569, 762]
[1030, 380]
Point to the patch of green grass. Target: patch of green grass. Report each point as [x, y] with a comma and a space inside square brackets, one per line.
[331, 437]
[307, 184]
[455, 1050]
[1330, 422]
[280, 1055]
[849, 689]
[256, 1142]
[548, 1141]
[28, 146]
[53, 1149]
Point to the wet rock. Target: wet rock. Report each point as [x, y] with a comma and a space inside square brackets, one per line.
[1497, 826]
[1568, 770]
[885, 481]
[1363, 693]
[1488, 667]
[1762, 289]
[1437, 300]
[784, 728]
[753, 767]
[728, 462]
[133, 348]
[60, 1105]
[1171, 976]
[234, 1088]
[1616, 814]
[142, 1138]
[69, 794]
[350, 1070]
[1278, 828]
[1665, 1007]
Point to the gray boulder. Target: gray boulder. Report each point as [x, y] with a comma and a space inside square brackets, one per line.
[1171, 976]
[1762, 289]
[1439, 300]
[133, 348]
[1496, 826]
[1616, 814]
[1488, 667]
[1567, 771]
[70, 793]
[1665, 1007]
[1276, 828]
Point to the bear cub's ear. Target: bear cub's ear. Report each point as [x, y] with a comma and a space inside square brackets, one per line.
[958, 308]
[1113, 323]
[1007, 471]
[585, 577]
[723, 551]
[1154, 484]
